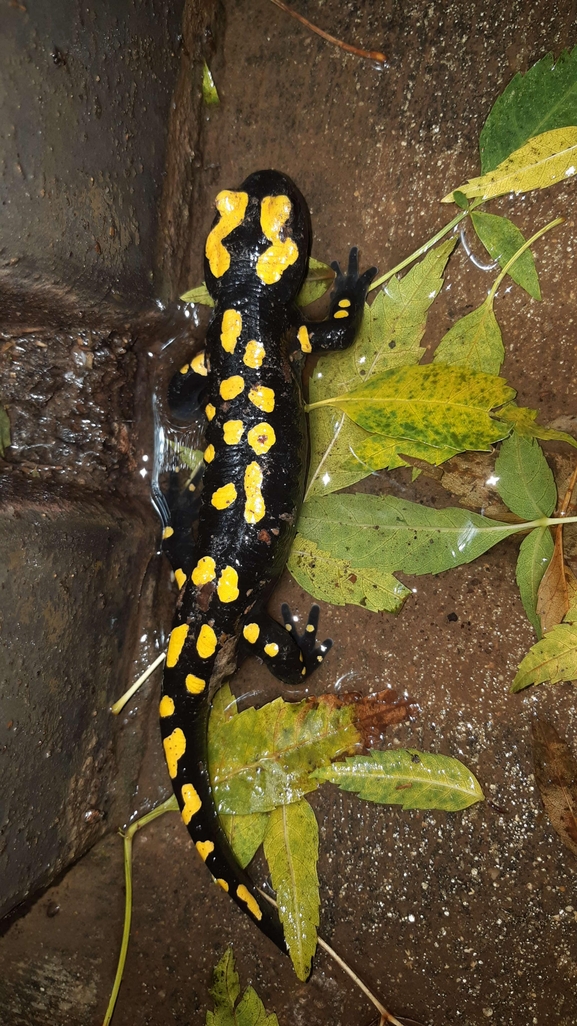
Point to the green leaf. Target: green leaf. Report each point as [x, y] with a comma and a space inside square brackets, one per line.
[523, 420]
[415, 780]
[209, 92]
[225, 989]
[543, 161]
[552, 659]
[262, 758]
[244, 834]
[534, 557]
[338, 581]
[199, 295]
[291, 847]
[460, 199]
[543, 98]
[319, 279]
[396, 535]
[438, 409]
[501, 238]
[5, 437]
[475, 341]
[389, 336]
[525, 480]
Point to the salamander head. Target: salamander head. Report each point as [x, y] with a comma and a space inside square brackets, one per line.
[260, 237]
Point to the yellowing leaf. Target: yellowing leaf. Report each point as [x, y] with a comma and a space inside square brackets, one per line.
[440, 408]
[415, 780]
[319, 279]
[225, 990]
[552, 659]
[524, 422]
[209, 91]
[291, 847]
[199, 295]
[546, 159]
[474, 341]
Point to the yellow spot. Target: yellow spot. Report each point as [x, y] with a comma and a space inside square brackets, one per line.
[224, 497]
[185, 369]
[174, 749]
[261, 437]
[288, 626]
[319, 659]
[210, 411]
[232, 431]
[206, 642]
[252, 904]
[271, 649]
[304, 671]
[222, 883]
[198, 364]
[254, 508]
[262, 398]
[204, 571]
[227, 588]
[204, 849]
[230, 329]
[274, 213]
[192, 802]
[177, 639]
[180, 577]
[168, 532]
[341, 313]
[344, 302]
[195, 685]
[304, 340]
[310, 628]
[231, 206]
[251, 632]
[166, 707]
[254, 354]
[231, 387]
[209, 454]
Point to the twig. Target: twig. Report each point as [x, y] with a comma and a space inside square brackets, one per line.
[371, 55]
[119, 705]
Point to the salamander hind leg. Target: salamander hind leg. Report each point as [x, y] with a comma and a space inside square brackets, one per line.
[290, 656]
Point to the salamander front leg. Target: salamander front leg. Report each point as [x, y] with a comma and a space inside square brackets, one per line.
[346, 310]
[291, 657]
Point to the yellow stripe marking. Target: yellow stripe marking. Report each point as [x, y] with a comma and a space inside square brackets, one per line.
[341, 313]
[206, 642]
[204, 571]
[262, 397]
[274, 213]
[174, 749]
[209, 454]
[304, 339]
[177, 639]
[232, 431]
[261, 438]
[192, 802]
[204, 849]
[222, 883]
[168, 532]
[252, 904]
[254, 354]
[251, 632]
[224, 497]
[227, 588]
[232, 207]
[166, 707]
[180, 577]
[230, 330]
[195, 685]
[254, 507]
[210, 411]
[271, 649]
[231, 387]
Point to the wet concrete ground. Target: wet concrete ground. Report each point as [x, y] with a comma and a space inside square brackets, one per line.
[468, 918]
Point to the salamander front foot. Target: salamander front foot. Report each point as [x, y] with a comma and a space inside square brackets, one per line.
[311, 653]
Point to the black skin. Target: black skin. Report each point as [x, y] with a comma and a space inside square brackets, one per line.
[256, 551]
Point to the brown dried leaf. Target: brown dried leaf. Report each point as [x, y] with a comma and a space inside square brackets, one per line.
[556, 778]
[467, 478]
[557, 586]
[374, 713]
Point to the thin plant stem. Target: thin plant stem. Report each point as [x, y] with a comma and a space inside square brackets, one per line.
[119, 705]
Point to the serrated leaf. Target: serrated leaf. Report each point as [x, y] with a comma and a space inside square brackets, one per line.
[250, 1011]
[523, 420]
[501, 238]
[534, 557]
[414, 780]
[5, 437]
[441, 408]
[396, 535]
[551, 660]
[319, 280]
[263, 757]
[291, 847]
[543, 161]
[525, 479]
[225, 989]
[199, 295]
[557, 589]
[543, 98]
[390, 335]
[225, 984]
[556, 778]
[474, 341]
[209, 91]
[337, 581]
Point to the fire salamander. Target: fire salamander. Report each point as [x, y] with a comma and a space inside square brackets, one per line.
[256, 259]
